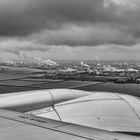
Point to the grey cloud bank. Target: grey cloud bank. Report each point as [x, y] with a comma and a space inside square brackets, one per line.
[74, 23]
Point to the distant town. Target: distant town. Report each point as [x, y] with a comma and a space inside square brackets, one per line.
[103, 71]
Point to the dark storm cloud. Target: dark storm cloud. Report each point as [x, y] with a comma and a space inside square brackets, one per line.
[85, 36]
[50, 14]
[51, 21]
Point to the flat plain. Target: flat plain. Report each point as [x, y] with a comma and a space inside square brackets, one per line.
[16, 80]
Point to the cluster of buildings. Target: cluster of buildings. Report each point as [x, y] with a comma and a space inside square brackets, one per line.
[97, 72]
[120, 72]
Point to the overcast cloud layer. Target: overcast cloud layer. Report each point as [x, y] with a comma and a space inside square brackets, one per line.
[40, 25]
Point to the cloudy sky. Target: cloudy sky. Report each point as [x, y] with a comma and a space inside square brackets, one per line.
[70, 29]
